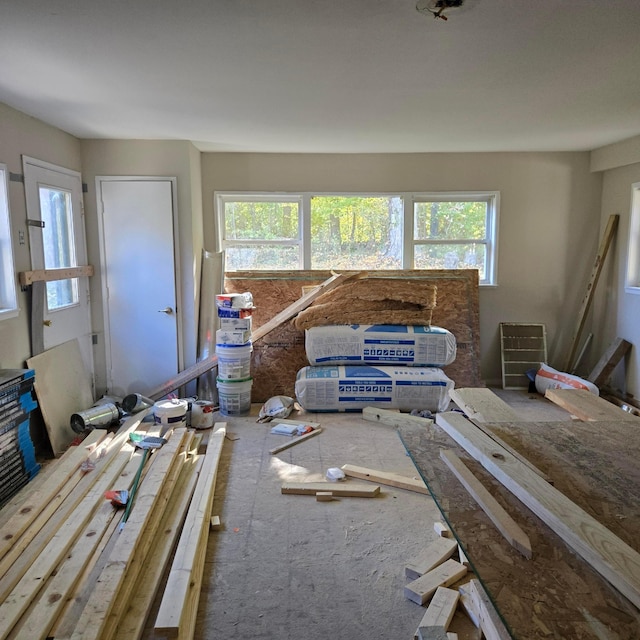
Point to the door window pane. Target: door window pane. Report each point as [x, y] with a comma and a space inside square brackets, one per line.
[57, 237]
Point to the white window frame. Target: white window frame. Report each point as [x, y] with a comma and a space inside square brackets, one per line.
[8, 294]
[632, 284]
[303, 199]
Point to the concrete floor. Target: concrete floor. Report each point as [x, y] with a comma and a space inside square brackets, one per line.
[287, 567]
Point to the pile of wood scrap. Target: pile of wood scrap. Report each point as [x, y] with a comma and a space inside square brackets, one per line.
[372, 301]
[431, 574]
[69, 565]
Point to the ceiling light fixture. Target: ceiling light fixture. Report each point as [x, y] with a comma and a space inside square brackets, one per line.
[437, 8]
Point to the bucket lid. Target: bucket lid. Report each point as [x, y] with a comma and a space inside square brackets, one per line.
[172, 407]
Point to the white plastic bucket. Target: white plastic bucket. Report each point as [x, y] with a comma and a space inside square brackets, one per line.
[234, 396]
[170, 414]
[234, 361]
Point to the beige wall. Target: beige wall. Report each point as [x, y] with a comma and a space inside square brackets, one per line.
[149, 158]
[548, 230]
[22, 135]
[617, 312]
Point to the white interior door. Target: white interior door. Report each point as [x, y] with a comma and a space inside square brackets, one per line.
[139, 281]
[55, 215]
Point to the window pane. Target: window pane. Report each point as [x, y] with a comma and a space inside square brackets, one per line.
[261, 220]
[451, 256]
[450, 220]
[262, 257]
[59, 249]
[356, 232]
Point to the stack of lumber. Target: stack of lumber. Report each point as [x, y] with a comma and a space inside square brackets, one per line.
[71, 568]
[372, 301]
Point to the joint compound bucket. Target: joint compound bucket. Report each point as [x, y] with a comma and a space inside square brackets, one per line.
[234, 361]
[170, 414]
[202, 414]
[234, 396]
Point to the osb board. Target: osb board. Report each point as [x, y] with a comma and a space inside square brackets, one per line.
[279, 356]
[556, 594]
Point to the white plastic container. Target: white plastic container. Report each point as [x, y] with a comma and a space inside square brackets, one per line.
[170, 414]
[202, 414]
[234, 361]
[234, 396]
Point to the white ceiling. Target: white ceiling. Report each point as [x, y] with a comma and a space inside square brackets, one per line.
[335, 76]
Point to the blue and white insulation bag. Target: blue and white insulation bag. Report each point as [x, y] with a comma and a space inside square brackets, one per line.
[351, 388]
[380, 344]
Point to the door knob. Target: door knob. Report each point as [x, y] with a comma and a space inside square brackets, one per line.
[167, 310]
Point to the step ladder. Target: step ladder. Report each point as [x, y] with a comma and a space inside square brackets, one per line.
[523, 347]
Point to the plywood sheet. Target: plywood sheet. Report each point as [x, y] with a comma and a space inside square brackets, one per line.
[280, 355]
[556, 593]
[63, 387]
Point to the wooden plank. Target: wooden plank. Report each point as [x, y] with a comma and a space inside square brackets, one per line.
[393, 418]
[42, 566]
[420, 590]
[58, 589]
[63, 387]
[587, 406]
[490, 622]
[130, 549]
[50, 275]
[63, 477]
[483, 405]
[178, 609]
[131, 624]
[607, 237]
[605, 552]
[386, 477]
[295, 441]
[184, 377]
[289, 312]
[441, 609]
[343, 489]
[615, 353]
[436, 553]
[324, 496]
[505, 524]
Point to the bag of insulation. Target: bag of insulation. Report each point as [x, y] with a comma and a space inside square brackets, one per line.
[351, 388]
[549, 378]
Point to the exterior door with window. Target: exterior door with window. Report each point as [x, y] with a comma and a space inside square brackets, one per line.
[57, 240]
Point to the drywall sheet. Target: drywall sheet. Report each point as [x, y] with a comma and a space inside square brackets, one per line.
[281, 354]
[63, 387]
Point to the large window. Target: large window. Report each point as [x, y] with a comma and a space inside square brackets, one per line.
[359, 231]
[8, 299]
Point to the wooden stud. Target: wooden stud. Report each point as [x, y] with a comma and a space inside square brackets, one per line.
[215, 523]
[386, 478]
[490, 622]
[178, 609]
[483, 405]
[606, 553]
[324, 496]
[436, 553]
[442, 530]
[343, 489]
[505, 524]
[607, 237]
[295, 441]
[393, 418]
[616, 352]
[441, 609]
[420, 590]
[50, 275]
[587, 406]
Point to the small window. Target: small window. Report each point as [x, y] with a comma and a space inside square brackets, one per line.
[8, 298]
[359, 231]
[633, 257]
